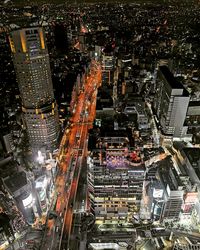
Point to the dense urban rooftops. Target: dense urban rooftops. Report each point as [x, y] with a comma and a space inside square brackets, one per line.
[16, 181]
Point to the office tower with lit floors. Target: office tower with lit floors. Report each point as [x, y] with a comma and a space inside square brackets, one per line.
[171, 104]
[31, 62]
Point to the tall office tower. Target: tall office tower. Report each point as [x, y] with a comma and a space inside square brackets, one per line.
[171, 103]
[31, 62]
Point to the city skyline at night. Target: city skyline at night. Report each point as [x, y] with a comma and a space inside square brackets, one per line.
[100, 125]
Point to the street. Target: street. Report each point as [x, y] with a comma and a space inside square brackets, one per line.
[72, 159]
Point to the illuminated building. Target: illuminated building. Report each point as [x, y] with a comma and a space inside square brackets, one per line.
[190, 157]
[110, 245]
[193, 119]
[82, 42]
[20, 188]
[168, 197]
[41, 188]
[190, 200]
[108, 66]
[138, 109]
[8, 143]
[31, 62]
[171, 103]
[115, 180]
[190, 163]
[185, 245]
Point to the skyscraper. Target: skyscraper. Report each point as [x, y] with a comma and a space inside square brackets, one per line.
[171, 103]
[31, 62]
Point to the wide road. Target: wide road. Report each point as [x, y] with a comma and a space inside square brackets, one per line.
[82, 121]
[73, 149]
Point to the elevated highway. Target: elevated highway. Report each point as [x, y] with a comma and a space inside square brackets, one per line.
[72, 152]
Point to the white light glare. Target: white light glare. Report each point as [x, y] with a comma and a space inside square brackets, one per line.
[40, 157]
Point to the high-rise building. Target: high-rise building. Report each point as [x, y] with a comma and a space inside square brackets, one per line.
[20, 188]
[115, 182]
[193, 120]
[108, 66]
[171, 103]
[168, 196]
[31, 62]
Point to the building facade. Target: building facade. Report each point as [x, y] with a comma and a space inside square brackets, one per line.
[171, 103]
[108, 67]
[20, 188]
[115, 183]
[168, 192]
[31, 62]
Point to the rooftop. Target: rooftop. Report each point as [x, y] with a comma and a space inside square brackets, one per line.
[193, 155]
[168, 177]
[194, 103]
[16, 181]
[170, 78]
[173, 82]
